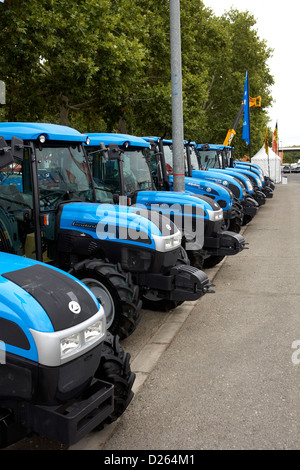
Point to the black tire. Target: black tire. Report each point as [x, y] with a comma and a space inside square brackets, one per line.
[114, 368]
[195, 259]
[115, 291]
[212, 261]
[247, 219]
[235, 225]
[152, 301]
[10, 431]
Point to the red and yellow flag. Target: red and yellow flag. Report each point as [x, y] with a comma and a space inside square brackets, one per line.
[267, 141]
[275, 139]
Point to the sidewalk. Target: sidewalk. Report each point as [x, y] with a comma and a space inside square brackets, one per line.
[219, 372]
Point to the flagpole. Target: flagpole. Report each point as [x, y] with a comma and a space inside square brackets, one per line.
[246, 119]
[249, 117]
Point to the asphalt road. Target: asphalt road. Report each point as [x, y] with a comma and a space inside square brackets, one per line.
[221, 373]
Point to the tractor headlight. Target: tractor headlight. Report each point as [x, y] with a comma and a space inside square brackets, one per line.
[215, 216]
[58, 347]
[167, 243]
[249, 185]
[93, 332]
[172, 242]
[69, 345]
[78, 341]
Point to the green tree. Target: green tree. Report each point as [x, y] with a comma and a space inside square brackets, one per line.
[104, 65]
[67, 59]
[246, 51]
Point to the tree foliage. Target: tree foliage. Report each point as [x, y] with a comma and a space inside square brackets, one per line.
[104, 65]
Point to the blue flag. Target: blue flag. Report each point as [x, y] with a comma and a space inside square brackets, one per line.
[246, 120]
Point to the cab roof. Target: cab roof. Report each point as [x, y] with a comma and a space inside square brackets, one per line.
[32, 130]
[155, 139]
[214, 146]
[119, 139]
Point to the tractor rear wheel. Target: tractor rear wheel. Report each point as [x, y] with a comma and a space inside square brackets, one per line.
[116, 293]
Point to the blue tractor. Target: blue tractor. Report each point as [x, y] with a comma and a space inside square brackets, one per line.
[267, 182]
[212, 188]
[215, 156]
[122, 163]
[62, 374]
[239, 187]
[227, 161]
[52, 211]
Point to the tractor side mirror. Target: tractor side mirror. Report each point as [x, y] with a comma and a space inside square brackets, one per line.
[114, 152]
[17, 146]
[5, 153]
[104, 150]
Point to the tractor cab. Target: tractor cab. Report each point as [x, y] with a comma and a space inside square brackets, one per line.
[36, 180]
[206, 158]
[254, 185]
[121, 166]
[227, 192]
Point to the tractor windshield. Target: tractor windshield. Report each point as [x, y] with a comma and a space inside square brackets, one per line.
[168, 153]
[137, 174]
[226, 153]
[63, 175]
[194, 159]
[106, 173]
[208, 158]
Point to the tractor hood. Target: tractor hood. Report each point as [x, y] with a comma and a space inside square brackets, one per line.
[132, 225]
[35, 297]
[185, 203]
[250, 167]
[222, 195]
[250, 174]
[225, 180]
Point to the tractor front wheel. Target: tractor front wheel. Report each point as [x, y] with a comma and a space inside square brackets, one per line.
[115, 368]
[116, 293]
[212, 261]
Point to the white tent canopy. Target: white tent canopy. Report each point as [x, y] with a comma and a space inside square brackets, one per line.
[270, 164]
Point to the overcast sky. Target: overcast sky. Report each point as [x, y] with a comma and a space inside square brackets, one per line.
[277, 23]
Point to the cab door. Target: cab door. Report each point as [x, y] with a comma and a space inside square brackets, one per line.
[17, 231]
